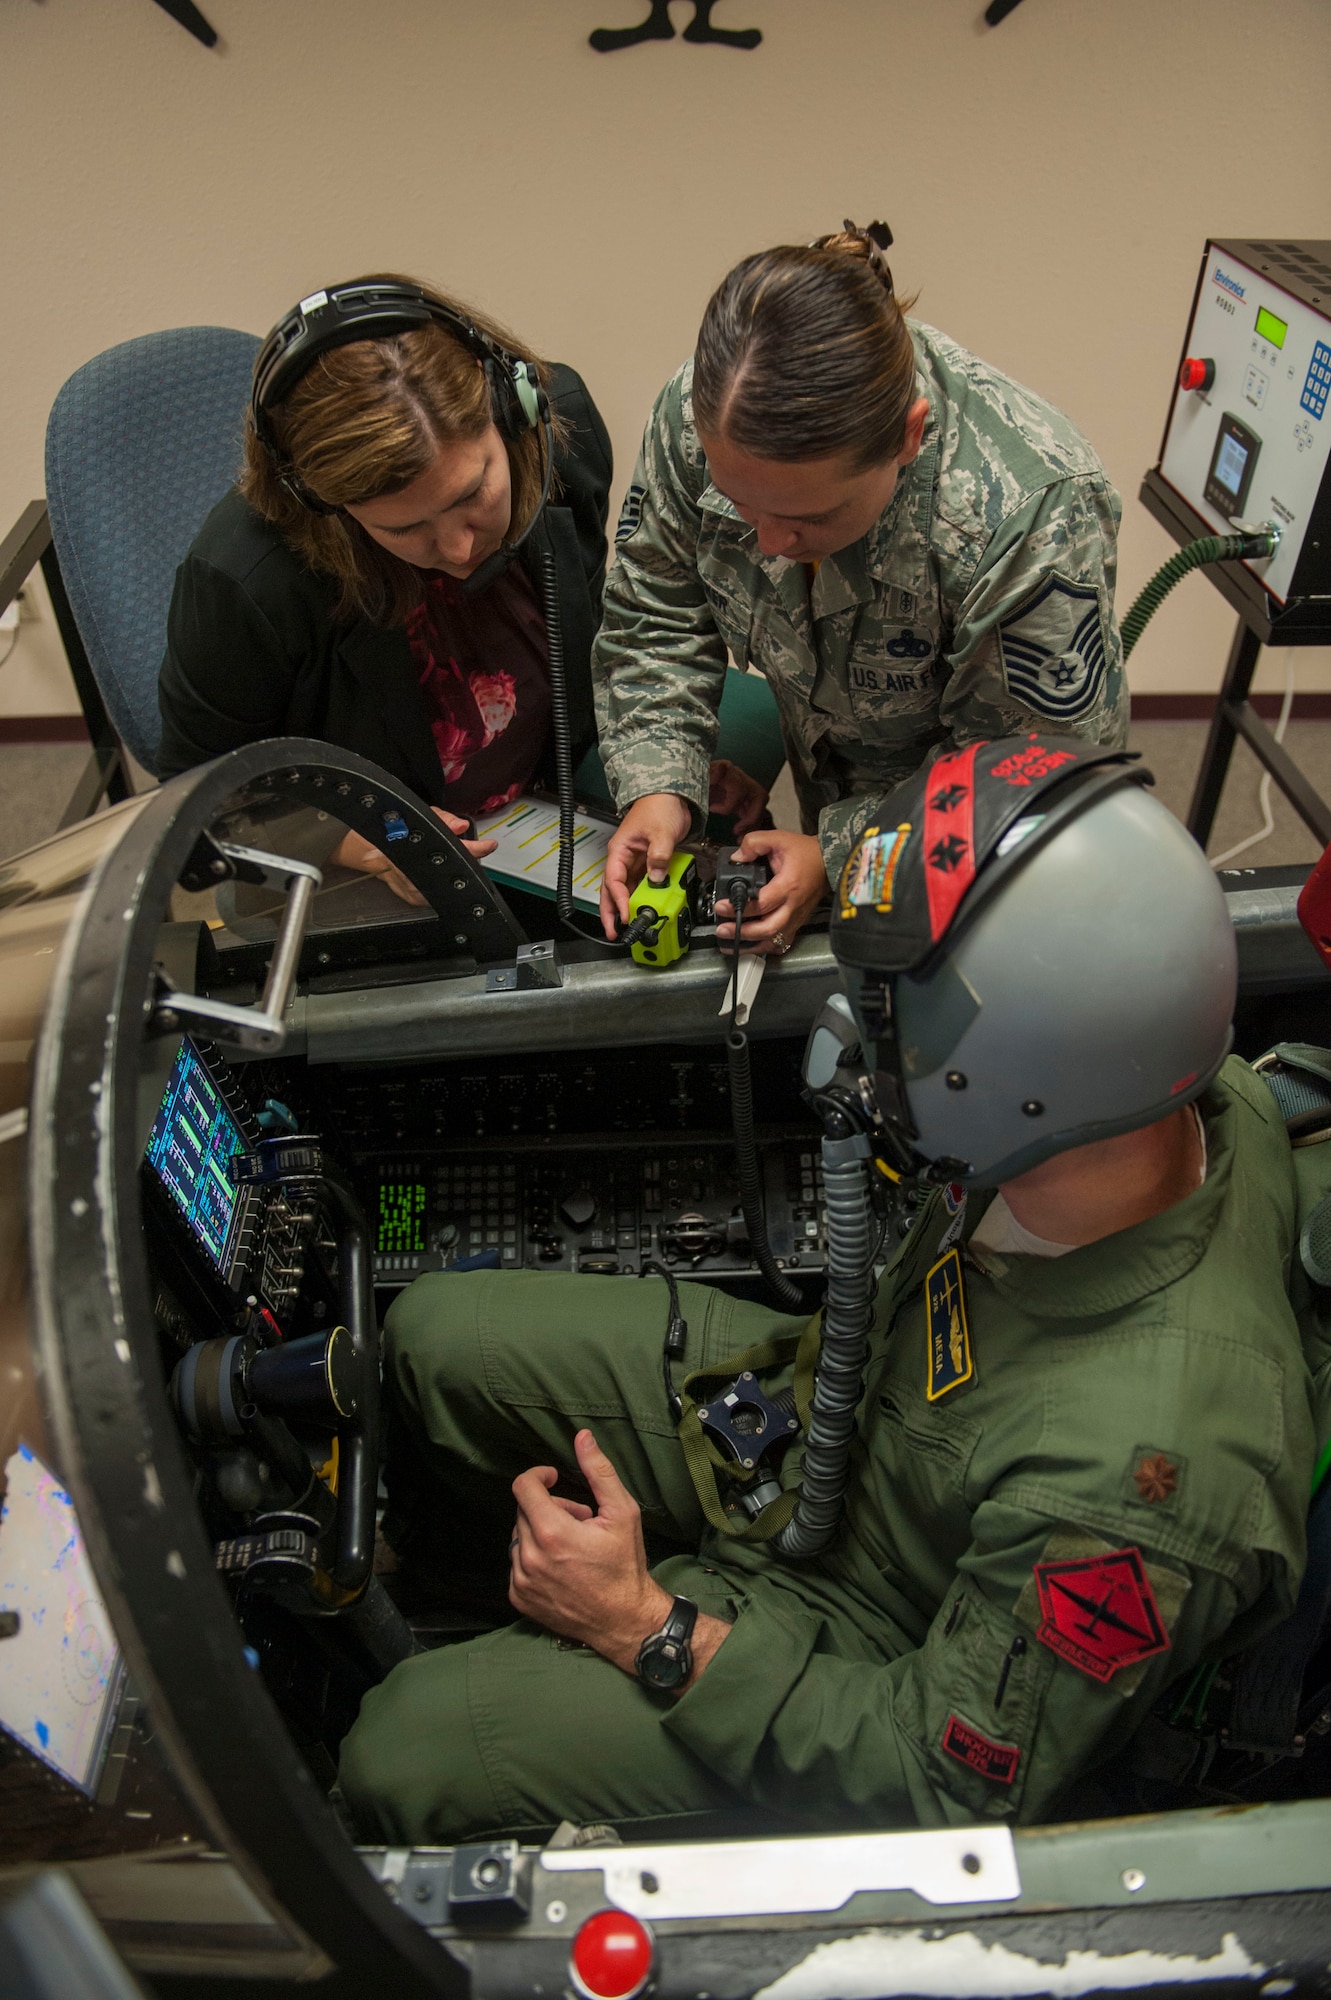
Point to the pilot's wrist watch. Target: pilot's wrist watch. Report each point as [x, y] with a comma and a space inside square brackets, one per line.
[665, 1657]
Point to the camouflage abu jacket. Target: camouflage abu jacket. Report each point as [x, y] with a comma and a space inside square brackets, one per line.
[980, 605]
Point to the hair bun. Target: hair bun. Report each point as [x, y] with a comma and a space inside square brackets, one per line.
[867, 245]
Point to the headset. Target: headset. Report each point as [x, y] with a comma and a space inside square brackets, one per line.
[377, 311]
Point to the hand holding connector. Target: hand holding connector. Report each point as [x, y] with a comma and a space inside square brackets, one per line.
[796, 883]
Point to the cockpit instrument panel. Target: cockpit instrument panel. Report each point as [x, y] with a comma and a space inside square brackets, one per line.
[193, 1139]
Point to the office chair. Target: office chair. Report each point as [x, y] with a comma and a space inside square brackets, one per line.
[142, 442]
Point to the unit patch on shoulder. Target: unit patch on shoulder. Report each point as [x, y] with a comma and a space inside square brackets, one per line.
[869, 875]
[1104, 1610]
[950, 1359]
[998, 1761]
[1054, 651]
[631, 512]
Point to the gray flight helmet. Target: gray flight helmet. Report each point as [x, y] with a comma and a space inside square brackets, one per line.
[1082, 984]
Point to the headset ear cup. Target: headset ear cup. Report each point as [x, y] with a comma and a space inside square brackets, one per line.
[517, 399]
[531, 396]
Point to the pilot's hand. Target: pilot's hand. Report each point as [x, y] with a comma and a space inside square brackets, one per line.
[772, 921]
[477, 849]
[584, 1575]
[644, 841]
[733, 794]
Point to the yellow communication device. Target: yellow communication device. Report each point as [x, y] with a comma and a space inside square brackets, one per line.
[661, 914]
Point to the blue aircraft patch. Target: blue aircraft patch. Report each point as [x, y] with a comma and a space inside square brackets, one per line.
[1054, 651]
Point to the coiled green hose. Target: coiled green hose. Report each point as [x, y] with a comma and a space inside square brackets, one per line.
[1206, 549]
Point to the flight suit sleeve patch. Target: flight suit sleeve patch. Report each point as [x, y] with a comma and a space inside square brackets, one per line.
[631, 512]
[1053, 651]
[971, 1747]
[1105, 1610]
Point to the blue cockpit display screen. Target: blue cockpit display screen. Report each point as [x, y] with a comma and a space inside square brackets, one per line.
[192, 1140]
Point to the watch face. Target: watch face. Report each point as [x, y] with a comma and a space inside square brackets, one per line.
[664, 1662]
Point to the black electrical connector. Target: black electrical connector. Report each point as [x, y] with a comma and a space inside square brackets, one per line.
[676, 1337]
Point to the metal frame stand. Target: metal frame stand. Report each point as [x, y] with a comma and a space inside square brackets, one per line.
[1235, 716]
[105, 776]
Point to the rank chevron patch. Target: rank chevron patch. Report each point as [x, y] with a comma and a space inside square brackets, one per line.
[1054, 651]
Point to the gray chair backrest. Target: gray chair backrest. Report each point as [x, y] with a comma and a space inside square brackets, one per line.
[142, 443]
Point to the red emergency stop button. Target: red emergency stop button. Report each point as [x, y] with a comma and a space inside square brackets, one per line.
[1196, 373]
[611, 1957]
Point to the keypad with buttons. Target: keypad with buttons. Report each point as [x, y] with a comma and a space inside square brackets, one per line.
[1318, 381]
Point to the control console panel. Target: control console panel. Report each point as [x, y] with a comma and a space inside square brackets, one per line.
[572, 1162]
[605, 1210]
[1248, 436]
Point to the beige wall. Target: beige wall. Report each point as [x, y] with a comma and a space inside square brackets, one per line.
[1051, 184]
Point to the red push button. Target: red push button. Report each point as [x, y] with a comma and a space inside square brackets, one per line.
[611, 1957]
[1196, 374]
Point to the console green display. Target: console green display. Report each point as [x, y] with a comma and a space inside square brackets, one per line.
[401, 1221]
[1270, 328]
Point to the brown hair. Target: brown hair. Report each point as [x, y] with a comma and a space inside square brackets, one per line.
[804, 352]
[366, 420]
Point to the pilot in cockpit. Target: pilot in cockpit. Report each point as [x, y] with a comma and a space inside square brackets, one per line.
[1068, 1469]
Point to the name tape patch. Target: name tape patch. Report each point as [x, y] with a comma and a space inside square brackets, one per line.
[998, 1761]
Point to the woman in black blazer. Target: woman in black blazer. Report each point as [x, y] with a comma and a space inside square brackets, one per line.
[324, 595]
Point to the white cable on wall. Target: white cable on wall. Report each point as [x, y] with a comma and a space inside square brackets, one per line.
[1267, 828]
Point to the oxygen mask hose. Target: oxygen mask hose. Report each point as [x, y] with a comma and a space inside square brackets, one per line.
[788, 1297]
[852, 1236]
[1248, 545]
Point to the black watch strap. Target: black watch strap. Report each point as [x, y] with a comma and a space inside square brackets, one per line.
[665, 1657]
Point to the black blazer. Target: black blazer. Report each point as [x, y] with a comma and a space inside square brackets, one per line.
[253, 649]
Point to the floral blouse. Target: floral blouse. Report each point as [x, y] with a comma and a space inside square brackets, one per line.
[484, 671]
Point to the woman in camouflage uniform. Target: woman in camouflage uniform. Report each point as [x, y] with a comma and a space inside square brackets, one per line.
[912, 548]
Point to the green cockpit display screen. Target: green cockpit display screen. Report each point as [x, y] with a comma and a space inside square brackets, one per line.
[401, 1216]
[1270, 328]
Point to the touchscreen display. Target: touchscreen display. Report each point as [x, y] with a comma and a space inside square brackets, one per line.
[193, 1138]
[1230, 461]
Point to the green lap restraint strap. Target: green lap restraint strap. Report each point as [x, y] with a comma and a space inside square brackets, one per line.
[709, 1467]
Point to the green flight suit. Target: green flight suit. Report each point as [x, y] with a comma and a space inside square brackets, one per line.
[979, 605]
[1111, 1490]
